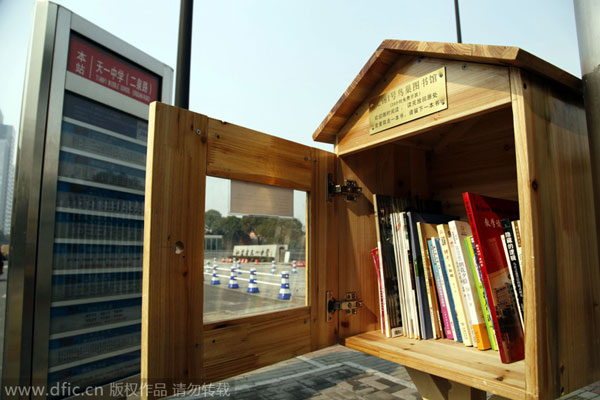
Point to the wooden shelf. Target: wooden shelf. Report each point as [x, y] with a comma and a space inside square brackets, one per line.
[447, 359]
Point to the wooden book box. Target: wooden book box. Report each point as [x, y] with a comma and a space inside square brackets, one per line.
[514, 128]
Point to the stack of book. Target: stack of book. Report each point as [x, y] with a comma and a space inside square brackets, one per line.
[440, 277]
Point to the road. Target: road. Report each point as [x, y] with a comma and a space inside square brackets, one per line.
[220, 302]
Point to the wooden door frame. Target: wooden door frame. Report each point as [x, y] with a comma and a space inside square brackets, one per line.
[177, 348]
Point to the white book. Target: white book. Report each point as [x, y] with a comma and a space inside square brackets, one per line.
[386, 316]
[512, 279]
[460, 230]
[437, 265]
[406, 328]
[461, 312]
[410, 279]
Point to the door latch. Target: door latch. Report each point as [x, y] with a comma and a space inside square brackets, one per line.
[349, 305]
[350, 189]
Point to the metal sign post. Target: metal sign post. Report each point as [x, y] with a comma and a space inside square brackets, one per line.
[74, 294]
[587, 13]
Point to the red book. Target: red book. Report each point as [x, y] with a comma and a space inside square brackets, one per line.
[485, 215]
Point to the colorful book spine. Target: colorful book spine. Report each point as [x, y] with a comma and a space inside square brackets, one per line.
[516, 225]
[411, 281]
[379, 220]
[404, 310]
[459, 231]
[375, 254]
[463, 321]
[448, 293]
[405, 282]
[417, 261]
[434, 309]
[439, 284]
[484, 215]
[473, 265]
[510, 248]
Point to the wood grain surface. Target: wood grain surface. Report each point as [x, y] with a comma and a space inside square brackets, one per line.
[172, 293]
[389, 51]
[472, 88]
[562, 277]
[177, 348]
[448, 359]
[235, 152]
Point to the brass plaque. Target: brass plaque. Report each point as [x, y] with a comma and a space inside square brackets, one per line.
[411, 100]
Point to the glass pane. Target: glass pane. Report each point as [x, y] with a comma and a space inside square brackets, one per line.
[254, 249]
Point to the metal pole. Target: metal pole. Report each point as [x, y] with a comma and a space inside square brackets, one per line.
[184, 54]
[587, 15]
[457, 16]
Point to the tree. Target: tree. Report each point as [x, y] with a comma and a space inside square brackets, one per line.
[231, 229]
[212, 219]
[274, 230]
[269, 230]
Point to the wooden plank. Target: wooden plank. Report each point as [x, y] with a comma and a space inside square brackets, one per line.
[447, 359]
[481, 161]
[454, 134]
[226, 344]
[368, 77]
[322, 250]
[382, 170]
[419, 173]
[472, 89]
[242, 345]
[562, 277]
[497, 55]
[239, 153]
[390, 50]
[172, 294]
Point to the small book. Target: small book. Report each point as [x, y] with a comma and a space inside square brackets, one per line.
[516, 225]
[448, 293]
[405, 284]
[439, 286]
[510, 251]
[426, 297]
[375, 255]
[473, 266]
[387, 264]
[459, 231]
[461, 313]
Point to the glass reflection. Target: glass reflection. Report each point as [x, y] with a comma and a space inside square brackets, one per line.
[255, 262]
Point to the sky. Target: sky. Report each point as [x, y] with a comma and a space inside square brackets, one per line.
[280, 66]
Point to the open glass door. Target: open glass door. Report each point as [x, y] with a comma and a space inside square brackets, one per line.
[195, 332]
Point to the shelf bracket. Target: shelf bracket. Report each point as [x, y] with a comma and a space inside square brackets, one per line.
[350, 189]
[349, 305]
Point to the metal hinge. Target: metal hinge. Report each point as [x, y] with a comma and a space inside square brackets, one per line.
[350, 189]
[349, 305]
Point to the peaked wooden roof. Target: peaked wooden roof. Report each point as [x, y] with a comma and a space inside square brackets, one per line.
[390, 50]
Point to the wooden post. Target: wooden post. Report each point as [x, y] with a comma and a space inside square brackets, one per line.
[433, 387]
[172, 292]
